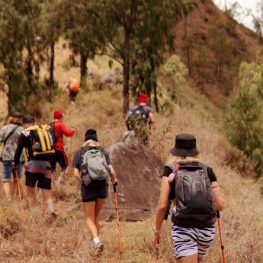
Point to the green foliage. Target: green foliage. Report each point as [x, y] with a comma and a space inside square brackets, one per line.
[176, 69]
[244, 114]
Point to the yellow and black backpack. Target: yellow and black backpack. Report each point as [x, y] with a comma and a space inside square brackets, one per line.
[42, 140]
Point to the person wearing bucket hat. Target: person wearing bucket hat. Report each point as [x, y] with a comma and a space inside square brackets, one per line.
[60, 155]
[93, 192]
[139, 119]
[192, 236]
[9, 137]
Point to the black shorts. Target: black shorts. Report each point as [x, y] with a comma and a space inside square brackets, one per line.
[59, 157]
[38, 178]
[72, 95]
[89, 195]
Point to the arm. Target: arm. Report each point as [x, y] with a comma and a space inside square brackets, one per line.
[151, 118]
[67, 132]
[218, 197]
[76, 174]
[19, 149]
[161, 209]
[112, 175]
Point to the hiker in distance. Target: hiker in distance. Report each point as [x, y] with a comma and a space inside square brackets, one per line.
[9, 137]
[94, 192]
[60, 156]
[72, 88]
[192, 232]
[38, 168]
[139, 118]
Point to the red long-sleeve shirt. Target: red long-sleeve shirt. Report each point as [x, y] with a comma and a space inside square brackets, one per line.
[60, 129]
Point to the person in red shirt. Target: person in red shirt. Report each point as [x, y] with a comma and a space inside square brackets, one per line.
[60, 156]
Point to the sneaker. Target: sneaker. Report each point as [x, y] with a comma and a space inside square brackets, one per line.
[98, 249]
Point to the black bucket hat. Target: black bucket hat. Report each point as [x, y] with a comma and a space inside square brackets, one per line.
[185, 145]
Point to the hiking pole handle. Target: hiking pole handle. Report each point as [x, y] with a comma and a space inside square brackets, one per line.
[217, 214]
[114, 188]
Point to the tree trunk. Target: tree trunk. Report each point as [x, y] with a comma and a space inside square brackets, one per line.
[51, 69]
[126, 73]
[83, 69]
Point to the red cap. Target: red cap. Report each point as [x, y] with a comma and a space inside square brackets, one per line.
[143, 98]
[58, 114]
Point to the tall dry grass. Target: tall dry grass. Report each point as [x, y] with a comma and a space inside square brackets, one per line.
[37, 238]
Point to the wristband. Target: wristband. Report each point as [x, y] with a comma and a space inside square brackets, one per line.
[155, 230]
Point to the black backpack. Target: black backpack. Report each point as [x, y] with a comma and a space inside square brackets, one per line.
[52, 131]
[195, 202]
[136, 118]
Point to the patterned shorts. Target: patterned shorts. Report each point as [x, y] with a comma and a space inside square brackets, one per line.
[190, 241]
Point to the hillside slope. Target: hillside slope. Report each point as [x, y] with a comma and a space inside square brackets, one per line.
[212, 45]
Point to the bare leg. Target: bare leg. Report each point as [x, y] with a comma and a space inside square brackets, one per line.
[30, 196]
[98, 206]
[7, 189]
[48, 198]
[89, 209]
[188, 259]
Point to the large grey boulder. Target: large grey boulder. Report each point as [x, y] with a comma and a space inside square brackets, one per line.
[138, 171]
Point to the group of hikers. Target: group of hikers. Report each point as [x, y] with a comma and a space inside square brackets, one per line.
[191, 185]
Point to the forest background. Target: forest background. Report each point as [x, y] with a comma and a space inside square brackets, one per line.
[202, 71]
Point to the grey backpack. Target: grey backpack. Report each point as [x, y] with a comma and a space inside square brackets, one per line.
[94, 165]
[195, 202]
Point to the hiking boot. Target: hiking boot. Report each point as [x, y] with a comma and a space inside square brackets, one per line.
[98, 249]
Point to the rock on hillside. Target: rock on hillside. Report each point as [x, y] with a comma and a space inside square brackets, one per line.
[138, 171]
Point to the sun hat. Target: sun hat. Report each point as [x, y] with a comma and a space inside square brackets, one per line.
[28, 119]
[143, 98]
[58, 114]
[91, 135]
[185, 145]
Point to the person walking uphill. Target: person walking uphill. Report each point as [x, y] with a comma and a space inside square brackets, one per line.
[94, 191]
[194, 189]
[138, 117]
[60, 156]
[38, 169]
[72, 89]
[9, 137]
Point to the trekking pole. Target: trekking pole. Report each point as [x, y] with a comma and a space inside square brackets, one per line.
[70, 156]
[117, 219]
[220, 235]
[19, 192]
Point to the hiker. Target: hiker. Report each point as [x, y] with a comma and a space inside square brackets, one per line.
[139, 117]
[9, 137]
[95, 193]
[72, 88]
[38, 168]
[192, 236]
[60, 156]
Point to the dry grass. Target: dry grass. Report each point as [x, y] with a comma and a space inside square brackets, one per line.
[37, 238]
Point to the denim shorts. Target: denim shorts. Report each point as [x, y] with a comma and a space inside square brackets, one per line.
[7, 170]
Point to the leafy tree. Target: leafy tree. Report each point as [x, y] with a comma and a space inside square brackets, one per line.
[17, 50]
[128, 25]
[80, 27]
[244, 114]
[258, 20]
[218, 43]
[48, 34]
